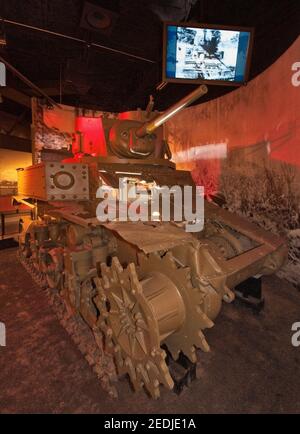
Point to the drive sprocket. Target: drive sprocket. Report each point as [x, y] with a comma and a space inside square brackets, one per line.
[140, 309]
[189, 336]
[130, 328]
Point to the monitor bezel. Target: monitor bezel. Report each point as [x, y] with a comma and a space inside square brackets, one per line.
[214, 27]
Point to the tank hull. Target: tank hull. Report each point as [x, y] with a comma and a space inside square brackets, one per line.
[135, 288]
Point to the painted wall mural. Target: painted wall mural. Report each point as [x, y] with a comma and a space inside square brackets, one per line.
[50, 130]
[246, 145]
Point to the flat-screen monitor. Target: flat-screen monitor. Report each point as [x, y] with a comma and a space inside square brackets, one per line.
[207, 53]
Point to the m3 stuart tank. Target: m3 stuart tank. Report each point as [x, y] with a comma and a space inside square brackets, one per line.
[129, 292]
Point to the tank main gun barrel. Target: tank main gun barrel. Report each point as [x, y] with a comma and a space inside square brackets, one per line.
[150, 126]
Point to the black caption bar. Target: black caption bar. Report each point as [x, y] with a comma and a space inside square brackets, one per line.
[143, 423]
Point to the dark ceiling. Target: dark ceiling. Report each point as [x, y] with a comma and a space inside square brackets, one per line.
[96, 78]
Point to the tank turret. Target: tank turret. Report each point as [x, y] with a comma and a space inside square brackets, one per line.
[136, 139]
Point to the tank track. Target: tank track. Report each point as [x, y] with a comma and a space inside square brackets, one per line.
[81, 334]
[92, 342]
[120, 315]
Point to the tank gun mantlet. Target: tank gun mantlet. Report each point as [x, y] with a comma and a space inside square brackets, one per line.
[125, 143]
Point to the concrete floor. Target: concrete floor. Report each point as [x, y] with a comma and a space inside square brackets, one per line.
[252, 366]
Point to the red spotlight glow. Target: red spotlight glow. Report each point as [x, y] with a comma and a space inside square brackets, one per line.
[92, 136]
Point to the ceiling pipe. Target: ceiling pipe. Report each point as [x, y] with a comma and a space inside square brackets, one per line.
[28, 82]
[73, 38]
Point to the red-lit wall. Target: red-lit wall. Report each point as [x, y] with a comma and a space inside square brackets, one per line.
[61, 128]
[93, 139]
